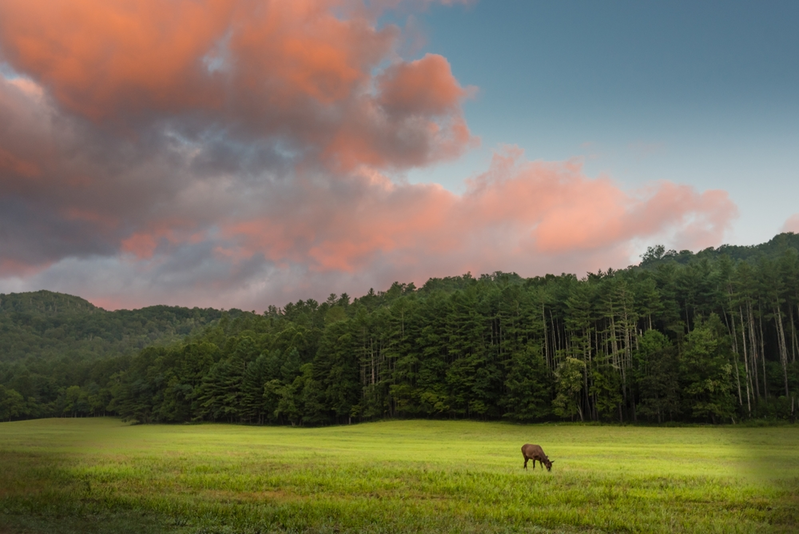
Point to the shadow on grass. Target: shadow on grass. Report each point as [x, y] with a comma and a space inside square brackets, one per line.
[768, 455]
[38, 496]
[122, 523]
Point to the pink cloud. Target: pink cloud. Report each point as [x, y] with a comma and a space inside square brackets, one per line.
[207, 149]
[10, 267]
[141, 245]
[102, 58]
[792, 224]
[17, 165]
[295, 70]
[168, 232]
[422, 87]
[510, 217]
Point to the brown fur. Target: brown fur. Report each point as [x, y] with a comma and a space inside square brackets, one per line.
[535, 453]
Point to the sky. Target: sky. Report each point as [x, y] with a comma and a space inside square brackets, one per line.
[243, 153]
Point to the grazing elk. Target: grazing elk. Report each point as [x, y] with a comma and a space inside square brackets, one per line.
[535, 452]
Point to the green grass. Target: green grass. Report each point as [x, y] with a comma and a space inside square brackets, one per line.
[102, 475]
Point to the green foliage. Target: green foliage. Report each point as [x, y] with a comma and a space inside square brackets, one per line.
[657, 377]
[706, 372]
[569, 383]
[528, 386]
[12, 404]
[606, 391]
[706, 337]
[44, 325]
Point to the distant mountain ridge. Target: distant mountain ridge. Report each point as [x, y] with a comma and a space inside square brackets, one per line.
[44, 302]
[45, 324]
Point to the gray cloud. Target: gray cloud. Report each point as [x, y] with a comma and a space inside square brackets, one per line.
[270, 177]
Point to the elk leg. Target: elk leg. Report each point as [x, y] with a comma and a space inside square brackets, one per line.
[525, 462]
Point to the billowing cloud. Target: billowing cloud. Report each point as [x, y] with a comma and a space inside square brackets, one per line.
[234, 152]
[295, 71]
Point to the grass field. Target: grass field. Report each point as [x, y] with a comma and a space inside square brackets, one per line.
[102, 475]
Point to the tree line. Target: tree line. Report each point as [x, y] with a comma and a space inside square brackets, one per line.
[50, 342]
[705, 337]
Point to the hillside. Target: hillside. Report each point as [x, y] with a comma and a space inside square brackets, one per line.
[43, 325]
[706, 337]
[770, 250]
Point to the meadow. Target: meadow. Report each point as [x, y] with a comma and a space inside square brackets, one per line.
[102, 475]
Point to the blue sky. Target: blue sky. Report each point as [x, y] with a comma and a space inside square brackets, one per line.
[703, 93]
[332, 147]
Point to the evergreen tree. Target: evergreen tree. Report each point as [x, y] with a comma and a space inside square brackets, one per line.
[569, 384]
[657, 377]
[528, 394]
[706, 372]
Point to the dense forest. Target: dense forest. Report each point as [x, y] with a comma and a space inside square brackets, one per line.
[690, 337]
[51, 341]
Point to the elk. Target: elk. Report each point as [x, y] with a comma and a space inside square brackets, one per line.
[535, 452]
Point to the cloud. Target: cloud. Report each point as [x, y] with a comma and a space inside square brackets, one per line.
[509, 218]
[363, 230]
[221, 152]
[792, 224]
[102, 59]
[293, 71]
